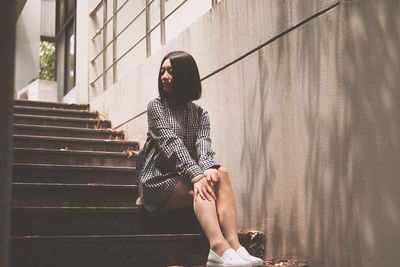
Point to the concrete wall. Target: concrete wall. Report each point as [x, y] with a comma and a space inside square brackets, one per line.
[371, 76]
[284, 110]
[39, 90]
[27, 44]
[304, 105]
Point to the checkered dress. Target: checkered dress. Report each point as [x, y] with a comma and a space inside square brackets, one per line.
[178, 146]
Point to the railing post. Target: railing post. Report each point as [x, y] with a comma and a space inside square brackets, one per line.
[7, 59]
[114, 40]
[162, 21]
[148, 42]
[104, 44]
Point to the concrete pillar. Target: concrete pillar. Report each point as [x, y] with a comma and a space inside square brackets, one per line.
[7, 51]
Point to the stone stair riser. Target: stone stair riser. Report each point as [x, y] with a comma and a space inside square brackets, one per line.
[55, 112]
[65, 132]
[72, 176]
[87, 124]
[140, 253]
[69, 158]
[69, 196]
[75, 145]
[26, 103]
[99, 222]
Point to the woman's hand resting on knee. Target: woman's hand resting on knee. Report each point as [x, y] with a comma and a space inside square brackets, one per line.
[212, 176]
[204, 188]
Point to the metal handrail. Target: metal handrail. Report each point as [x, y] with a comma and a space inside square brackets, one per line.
[163, 17]
[94, 11]
[117, 35]
[104, 39]
[175, 9]
[162, 22]
[154, 27]
[114, 24]
[116, 61]
[98, 31]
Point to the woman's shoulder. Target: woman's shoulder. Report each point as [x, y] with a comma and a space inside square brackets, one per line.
[155, 103]
[200, 110]
[161, 103]
[195, 106]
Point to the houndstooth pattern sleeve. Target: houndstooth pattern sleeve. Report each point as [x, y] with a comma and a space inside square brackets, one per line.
[203, 143]
[170, 144]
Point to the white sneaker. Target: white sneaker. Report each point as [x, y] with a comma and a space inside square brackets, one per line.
[242, 252]
[229, 258]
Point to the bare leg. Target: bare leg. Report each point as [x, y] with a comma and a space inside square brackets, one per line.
[226, 208]
[181, 197]
[205, 211]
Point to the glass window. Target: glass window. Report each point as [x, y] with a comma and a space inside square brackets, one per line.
[60, 14]
[71, 7]
[65, 44]
[60, 63]
[70, 58]
[47, 61]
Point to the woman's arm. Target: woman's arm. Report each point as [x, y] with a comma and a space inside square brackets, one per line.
[203, 144]
[170, 144]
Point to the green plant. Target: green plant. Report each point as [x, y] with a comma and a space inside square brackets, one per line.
[47, 61]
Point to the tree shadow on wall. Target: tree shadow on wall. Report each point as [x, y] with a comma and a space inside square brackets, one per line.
[373, 87]
[345, 203]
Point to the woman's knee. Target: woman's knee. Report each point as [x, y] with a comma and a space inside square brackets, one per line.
[223, 173]
[223, 170]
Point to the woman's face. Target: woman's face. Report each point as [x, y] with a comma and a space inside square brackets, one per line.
[166, 76]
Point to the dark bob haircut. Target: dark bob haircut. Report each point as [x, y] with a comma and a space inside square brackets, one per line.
[186, 85]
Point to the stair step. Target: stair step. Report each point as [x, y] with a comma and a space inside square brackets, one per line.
[61, 121]
[71, 143]
[73, 195]
[43, 130]
[105, 251]
[52, 111]
[74, 157]
[114, 250]
[70, 221]
[29, 103]
[73, 174]
[47, 221]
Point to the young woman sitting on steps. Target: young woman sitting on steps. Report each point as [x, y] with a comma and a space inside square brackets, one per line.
[176, 167]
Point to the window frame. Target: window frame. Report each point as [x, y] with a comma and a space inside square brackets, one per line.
[62, 28]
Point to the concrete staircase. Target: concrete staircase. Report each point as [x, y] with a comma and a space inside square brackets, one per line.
[74, 192]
